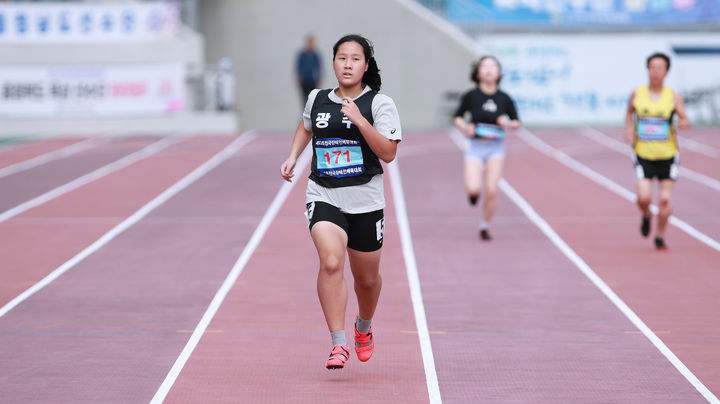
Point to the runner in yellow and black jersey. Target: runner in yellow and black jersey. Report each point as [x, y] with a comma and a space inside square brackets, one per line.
[649, 129]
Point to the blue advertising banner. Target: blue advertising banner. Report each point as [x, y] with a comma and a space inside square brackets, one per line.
[586, 13]
[560, 79]
[87, 22]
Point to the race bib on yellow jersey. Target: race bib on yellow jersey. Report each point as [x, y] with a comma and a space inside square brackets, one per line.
[653, 129]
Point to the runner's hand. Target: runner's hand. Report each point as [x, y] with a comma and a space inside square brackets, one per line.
[469, 130]
[506, 123]
[351, 111]
[503, 121]
[629, 135]
[683, 123]
[287, 169]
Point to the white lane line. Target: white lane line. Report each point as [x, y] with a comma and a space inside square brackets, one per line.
[47, 157]
[620, 147]
[597, 281]
[697, 147]
[580, 168]
[460, 141]
[89, 177]
[230, 280]
[131, 220]
[414, 281]
[605, 289]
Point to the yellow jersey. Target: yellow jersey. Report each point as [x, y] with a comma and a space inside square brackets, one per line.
[654, 132]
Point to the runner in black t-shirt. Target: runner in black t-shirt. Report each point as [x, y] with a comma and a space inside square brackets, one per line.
[492, 112]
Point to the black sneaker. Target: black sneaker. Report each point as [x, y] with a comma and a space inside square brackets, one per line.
[473, 199]
[660, 243]
[485, 235]
[645, 226]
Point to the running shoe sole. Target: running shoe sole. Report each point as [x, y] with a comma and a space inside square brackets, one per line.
[335, 361]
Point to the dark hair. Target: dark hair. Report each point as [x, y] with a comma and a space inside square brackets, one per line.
[476, 65]
[661, 56]
[372, 75]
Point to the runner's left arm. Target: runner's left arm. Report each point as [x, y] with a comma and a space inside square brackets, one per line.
[509, 120]
[382, 146]
[683, 121]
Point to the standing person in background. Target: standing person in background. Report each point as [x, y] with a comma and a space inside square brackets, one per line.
[492, 112]
[649, 129]
[352, 128]
[225, 85]
[308, 68]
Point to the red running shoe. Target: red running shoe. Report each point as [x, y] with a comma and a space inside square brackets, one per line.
[338, 356]
[364, 345]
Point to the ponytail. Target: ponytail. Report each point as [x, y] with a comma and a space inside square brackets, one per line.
[372, 75]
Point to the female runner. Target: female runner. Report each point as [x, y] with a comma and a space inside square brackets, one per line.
[492, 112]
[352, 128]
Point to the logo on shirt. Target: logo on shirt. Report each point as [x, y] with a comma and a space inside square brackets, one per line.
[392, 132]
[490, 106]
[322, 119]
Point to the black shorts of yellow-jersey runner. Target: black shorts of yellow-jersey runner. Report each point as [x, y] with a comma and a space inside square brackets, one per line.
[660, 169]
[364, 230]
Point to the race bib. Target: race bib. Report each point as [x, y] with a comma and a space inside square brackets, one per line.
[653, 129]
[339, 157]
[488, 131]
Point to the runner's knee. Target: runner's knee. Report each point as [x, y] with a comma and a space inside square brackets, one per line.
[643, 201]
[367, 281]
[491, 192]
[664, 201]
[332, 264]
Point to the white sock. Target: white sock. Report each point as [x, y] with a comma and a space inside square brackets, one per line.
[338, 338]
[363, 326]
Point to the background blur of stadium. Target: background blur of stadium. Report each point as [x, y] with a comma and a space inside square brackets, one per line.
[216, 66]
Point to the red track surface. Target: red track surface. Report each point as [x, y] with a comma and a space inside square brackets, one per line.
[15, 153]
[512, 320]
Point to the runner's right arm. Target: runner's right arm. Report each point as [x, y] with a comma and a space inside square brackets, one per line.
[464, 127]
[683, 121]
[629, 124]
[300, 141]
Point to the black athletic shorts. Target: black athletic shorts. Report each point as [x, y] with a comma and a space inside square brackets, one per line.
[364, 230]
[660, 169]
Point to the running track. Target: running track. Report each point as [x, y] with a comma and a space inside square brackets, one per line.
[186, 274]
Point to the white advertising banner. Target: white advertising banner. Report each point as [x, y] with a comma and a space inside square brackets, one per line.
[87, 22]
[587, 78]
[55, 91]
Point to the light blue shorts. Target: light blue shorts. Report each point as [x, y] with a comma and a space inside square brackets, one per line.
[483, 150]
